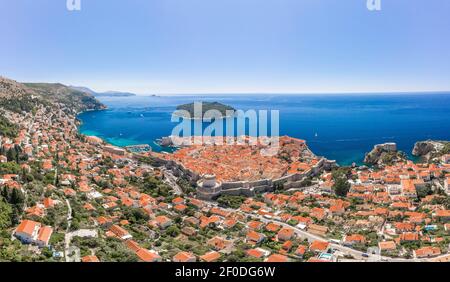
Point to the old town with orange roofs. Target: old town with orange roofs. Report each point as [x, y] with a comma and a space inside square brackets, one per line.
[70, 197]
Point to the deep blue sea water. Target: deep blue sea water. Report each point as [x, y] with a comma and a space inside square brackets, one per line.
[339, 127]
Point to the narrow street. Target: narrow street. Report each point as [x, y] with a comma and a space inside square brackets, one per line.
[67, 238]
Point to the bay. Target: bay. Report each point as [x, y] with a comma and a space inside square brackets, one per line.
[341, 127]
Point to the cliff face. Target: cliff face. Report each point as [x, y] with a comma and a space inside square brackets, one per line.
[383, 154]
[423, 148]
[430, 149]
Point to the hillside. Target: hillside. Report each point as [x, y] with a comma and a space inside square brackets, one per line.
[16, 97]
[23, 97]
[83, 89]
[73, 99]
[7, 128]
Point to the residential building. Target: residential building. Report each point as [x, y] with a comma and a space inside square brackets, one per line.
[148, 256]
[120, 232]
[31, 232]
[427, 252]
[210, 256]
[184, 257]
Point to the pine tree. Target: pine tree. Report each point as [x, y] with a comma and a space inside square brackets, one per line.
[341, 187]
[5, 214]
[15, 216]
[11, 155]
[4, 192]
[17, 199]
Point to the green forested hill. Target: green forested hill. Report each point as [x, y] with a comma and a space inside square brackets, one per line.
[23, 97]
[15, 97]
[72, 98]
[7, 128]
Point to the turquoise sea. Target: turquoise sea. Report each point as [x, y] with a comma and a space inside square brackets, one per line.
[339, 127]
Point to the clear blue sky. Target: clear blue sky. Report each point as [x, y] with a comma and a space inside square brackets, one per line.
[229, 46]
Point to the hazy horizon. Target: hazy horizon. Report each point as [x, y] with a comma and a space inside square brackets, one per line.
[258, 93]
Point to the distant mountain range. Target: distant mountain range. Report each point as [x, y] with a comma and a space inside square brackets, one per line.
[102, 94]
